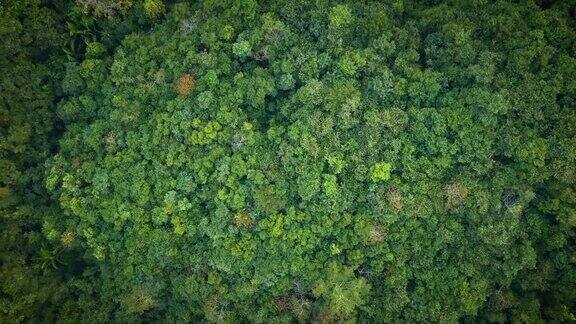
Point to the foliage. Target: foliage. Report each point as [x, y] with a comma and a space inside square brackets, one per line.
[185, 85]
[281, 161]
[380, 171]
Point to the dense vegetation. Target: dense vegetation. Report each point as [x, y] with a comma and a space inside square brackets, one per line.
[287, 161]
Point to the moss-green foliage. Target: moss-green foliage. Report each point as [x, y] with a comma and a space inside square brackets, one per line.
[253, 161]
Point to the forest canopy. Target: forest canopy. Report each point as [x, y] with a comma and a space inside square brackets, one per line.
[287, 161]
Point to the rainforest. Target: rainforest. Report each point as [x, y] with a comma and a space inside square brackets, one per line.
[300, 161]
